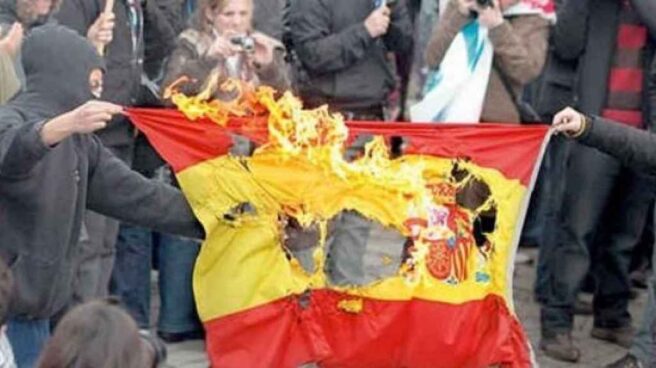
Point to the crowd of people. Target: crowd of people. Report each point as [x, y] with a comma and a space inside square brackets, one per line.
[87, 208]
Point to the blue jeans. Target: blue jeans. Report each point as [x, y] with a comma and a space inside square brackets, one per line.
[27, 338]
[644, 344]
[553, 189]
[131, 278]
[535, 216]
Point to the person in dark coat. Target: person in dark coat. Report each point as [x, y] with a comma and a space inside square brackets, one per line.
[136, 37]
[341, 47]
[52, 168]
[634, 148]
[605, 205]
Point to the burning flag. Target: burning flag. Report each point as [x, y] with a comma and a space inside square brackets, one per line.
[278, 284]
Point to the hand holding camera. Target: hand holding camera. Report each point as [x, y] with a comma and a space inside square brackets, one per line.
[263, 47]
[466, 7]
[223, 48]
[489, 13]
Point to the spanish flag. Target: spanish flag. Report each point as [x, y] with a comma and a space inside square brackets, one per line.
[375, 261]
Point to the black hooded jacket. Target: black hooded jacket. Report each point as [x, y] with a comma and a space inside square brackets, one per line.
[45, 190]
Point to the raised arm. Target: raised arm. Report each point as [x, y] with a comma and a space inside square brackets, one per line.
[520, 47]
[117, 191]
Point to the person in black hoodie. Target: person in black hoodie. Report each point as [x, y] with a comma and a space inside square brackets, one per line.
[605, 205]
[136, 36]
[52, 168]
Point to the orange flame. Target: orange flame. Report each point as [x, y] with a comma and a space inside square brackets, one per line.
[320, 137]
[316, 134]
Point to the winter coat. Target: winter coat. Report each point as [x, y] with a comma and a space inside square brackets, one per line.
[267, 17]
[633, 147]
[339, 63]
[583, 45]
[44, 191]
[520, 48]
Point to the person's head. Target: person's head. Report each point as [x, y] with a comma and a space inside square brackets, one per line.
[34, 12]
[62, 69]
[226, 16]
[97, 334]
[6, 291]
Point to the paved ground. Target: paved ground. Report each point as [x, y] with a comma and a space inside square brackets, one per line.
[595, 353]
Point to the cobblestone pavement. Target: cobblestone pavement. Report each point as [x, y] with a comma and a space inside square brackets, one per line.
[595, 353]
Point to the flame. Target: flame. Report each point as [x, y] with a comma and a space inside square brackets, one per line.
[320, 137]
[243, 102]
[316, 134]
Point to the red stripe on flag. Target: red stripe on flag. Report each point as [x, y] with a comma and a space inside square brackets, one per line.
[631, 36]
[312, 328]
[510, 149]
[625, 80]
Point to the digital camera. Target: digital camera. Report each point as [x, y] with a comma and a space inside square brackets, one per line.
[247, 43]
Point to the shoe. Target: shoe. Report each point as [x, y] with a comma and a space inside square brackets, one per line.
[622, 336]
[172, 337]
[640, 278]
[523, 258]
[628, 361]
[560, 347]
[633, 294]
[582, 307]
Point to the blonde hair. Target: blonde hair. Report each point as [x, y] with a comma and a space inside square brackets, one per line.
[201, 21]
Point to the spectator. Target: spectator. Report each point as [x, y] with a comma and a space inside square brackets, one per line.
[6, 291]
[605, 204]
[200, 50]
[134, 36]
[518, 36]
[28, 14]
[209, 45]
[636, 148]
[9, 47]
[341, 49]
[44, 138]
[97, 334]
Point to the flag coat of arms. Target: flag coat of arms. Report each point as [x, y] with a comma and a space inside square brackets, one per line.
[311, 259]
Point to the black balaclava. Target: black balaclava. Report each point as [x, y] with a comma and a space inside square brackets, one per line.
[57, 63]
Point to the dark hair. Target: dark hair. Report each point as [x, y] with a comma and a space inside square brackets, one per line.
[6, 291]
[97, 334]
